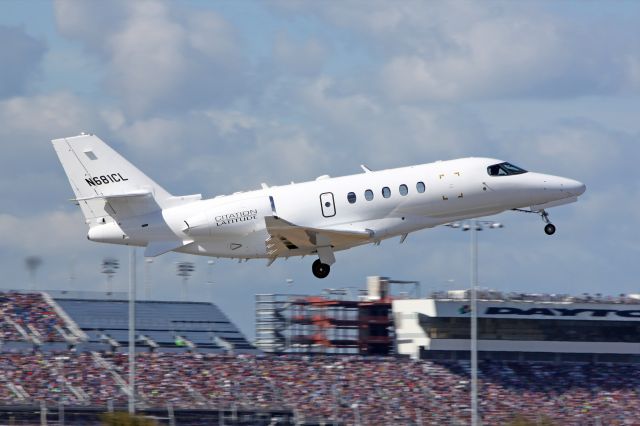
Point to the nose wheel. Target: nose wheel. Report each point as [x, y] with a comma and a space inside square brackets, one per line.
[549, 228]
[319, 269]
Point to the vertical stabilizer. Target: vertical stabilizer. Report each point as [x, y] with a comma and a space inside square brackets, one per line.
[105, 183]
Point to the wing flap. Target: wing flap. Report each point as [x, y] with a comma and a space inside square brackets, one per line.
[286, 236]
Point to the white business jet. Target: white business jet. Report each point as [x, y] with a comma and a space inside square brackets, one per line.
[122, 205]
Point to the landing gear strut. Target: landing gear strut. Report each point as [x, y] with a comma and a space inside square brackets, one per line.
[549, 228]
[319, 269]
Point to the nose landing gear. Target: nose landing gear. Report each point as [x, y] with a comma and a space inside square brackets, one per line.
[549, 228]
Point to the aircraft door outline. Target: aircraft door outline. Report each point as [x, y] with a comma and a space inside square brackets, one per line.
[327, 204]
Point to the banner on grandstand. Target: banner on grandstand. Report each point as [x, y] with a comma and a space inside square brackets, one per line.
[527, 310]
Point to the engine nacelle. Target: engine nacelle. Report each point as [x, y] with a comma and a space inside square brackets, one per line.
[108, 232]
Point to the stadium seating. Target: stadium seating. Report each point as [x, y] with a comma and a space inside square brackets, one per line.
[28, 317]
[373, 390]
[161, 322]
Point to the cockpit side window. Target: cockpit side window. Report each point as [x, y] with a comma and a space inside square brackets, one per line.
[504, 169]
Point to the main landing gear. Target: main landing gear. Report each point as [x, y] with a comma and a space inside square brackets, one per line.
[319, 269]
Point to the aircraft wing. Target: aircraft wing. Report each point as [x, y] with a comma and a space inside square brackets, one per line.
[287, 237]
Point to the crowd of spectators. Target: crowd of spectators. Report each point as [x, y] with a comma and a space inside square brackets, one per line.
[351, 389]
[50, 377]
[29, 311]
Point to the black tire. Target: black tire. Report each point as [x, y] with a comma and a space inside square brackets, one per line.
[550, 229]
[319, 269]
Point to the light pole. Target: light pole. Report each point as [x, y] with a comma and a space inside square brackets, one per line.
[474, 226]
[210, 279]
[147, 277]
[132, 330]
[63, 388]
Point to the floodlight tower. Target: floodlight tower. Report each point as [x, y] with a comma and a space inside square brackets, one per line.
[109, 267]
[184, 270]
[474, 226]
[32, 263]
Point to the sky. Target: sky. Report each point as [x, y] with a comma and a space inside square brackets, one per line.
[217, 97]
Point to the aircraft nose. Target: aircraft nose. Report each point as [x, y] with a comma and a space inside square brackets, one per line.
[574, 187]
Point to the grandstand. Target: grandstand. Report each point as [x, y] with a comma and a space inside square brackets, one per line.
[65, 321]
[533, 327]
[165, 326]
[326, 389]
[205, 385]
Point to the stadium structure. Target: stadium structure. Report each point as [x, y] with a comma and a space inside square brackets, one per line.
[524, 327]
[328, 323]
[86, 321]
[513, 326]
[343, 357]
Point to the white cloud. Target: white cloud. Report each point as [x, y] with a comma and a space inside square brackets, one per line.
[22, 56]
[452, 51]
[159, 57]
[633, 71]
[229, 122]
[365, 128]
[54, 114]
[339, 108]
[497, 57]
[90, 22]
[47, 231]
[579, 148]
[27, 124]
[32, 177]
[304, 57]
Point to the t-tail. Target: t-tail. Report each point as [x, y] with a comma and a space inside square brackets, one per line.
[105, 184]
[118, 200]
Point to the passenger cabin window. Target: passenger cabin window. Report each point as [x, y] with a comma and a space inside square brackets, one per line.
[504, 169]
[386, 192]
[351, 197]
[368, 195]
[420, 187]
[403, 189]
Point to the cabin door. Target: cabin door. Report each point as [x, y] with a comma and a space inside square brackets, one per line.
[327, 204]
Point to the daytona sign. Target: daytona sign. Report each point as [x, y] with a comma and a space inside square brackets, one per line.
[562, 312]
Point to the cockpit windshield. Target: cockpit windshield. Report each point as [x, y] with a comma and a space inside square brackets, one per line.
[504, 169]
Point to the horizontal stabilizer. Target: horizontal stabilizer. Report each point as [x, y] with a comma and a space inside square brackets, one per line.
[156, 248]
[138, 193]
